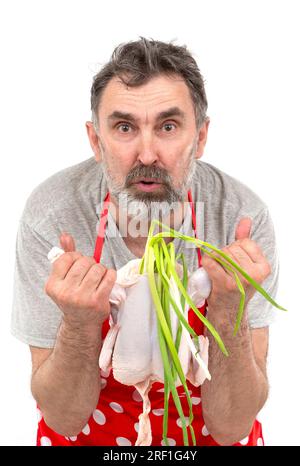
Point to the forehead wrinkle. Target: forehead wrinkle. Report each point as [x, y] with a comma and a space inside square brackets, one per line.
[157, 98]
[144, 99]
[153, 93]
[148, 96]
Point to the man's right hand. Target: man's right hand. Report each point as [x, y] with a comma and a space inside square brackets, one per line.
[79, 286]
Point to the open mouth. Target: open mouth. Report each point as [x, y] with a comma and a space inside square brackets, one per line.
[148, 182]
[147, 185]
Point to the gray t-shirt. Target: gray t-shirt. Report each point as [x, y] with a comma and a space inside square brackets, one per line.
[71, 200]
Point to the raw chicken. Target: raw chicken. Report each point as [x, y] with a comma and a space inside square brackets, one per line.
[131, 347]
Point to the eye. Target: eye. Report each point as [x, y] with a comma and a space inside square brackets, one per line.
[125, 127]
[168, 127]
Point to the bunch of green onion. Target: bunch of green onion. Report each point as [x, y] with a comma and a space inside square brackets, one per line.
[159, 262]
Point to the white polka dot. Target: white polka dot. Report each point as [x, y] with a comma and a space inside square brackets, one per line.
[105, 373]
[196, 400]
[136, 426]
[39, 415]
[86, 430]
[136, 396]
[123, 442]
[179, 423]
[205, 432]
[99, 417]
[116, 407]
[158, 412]
[260, 442]
[73, 439]
[184, 394]
[103, 383]
[244, 441]
[46, 442]
[171, 441]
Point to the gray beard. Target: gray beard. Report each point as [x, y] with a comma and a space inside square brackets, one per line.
[149, 205]
[160, 210]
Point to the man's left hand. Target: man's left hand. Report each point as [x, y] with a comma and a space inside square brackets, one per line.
[225, 295]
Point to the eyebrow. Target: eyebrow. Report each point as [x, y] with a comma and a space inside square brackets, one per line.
[170, 112]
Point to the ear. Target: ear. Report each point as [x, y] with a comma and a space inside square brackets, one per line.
[94, 140]
[202, 138]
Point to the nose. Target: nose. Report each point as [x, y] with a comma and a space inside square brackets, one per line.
[147, 151]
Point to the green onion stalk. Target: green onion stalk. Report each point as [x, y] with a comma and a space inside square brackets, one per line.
[159, 263]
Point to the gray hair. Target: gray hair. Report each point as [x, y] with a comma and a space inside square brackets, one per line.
[136, 62]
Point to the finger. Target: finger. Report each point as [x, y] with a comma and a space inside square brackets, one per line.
[107, 283]
[252, 250]
[92, 279]
[63, 264]
[240, 257]
[250, 259]
[79, 270]
[67, 242]
[260, 265]
[216, 272]
[243, 228]
[220, 258]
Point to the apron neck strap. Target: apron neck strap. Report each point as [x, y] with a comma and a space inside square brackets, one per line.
[101, 229]
[194, 224]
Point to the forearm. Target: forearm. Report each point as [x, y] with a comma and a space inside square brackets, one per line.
[67, 385]
[238, 388]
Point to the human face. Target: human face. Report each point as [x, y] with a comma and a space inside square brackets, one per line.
[148, 131]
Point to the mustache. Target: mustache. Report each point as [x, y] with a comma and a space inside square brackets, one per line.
[142, 171]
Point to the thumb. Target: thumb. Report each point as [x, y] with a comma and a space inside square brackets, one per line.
[243, 228]
[67, 242]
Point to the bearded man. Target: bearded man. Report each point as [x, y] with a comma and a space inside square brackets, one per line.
[148, 133]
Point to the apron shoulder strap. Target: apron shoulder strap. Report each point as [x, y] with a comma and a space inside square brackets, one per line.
[101, 229]
[194, 224]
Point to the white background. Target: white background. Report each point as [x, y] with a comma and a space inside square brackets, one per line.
[248, 52]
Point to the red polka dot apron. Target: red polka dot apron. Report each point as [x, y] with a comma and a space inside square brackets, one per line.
[115, 421]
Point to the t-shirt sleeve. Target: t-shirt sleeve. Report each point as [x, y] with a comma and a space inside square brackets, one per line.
[261, 313]
[35, 317]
